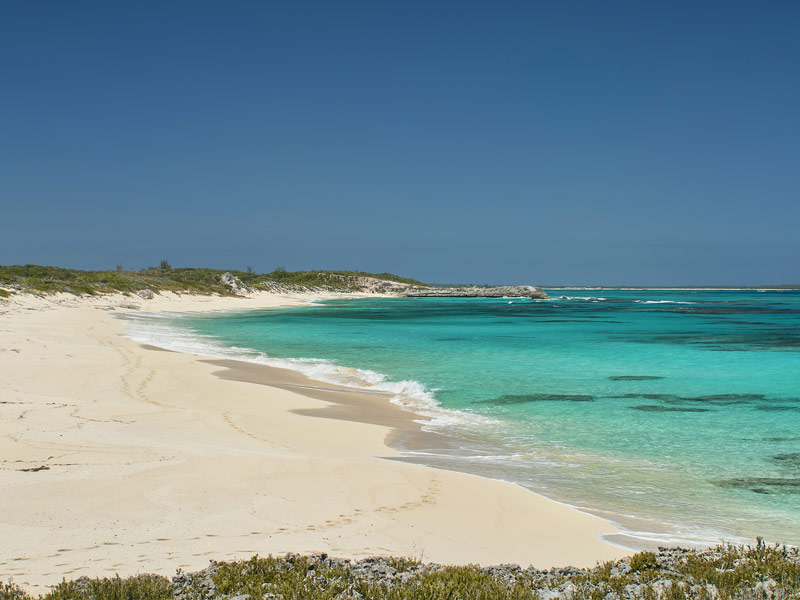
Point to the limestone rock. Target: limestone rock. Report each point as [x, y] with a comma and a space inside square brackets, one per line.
[236, 285]
[500, 291]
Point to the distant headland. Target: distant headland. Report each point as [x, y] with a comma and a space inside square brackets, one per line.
[165, 278]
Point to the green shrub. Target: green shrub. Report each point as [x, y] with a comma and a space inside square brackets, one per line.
[643, 561]
[10, 591]
[139, 587]
[725, 572]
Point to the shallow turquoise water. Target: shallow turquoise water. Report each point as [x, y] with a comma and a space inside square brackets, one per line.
[675, 413]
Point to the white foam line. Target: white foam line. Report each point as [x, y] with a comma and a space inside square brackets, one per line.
[159, 329]
[663, 302]
[701, 538]
[589, 298]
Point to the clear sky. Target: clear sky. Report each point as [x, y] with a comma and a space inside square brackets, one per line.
[547, 142]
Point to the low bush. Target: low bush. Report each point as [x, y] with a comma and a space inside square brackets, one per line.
[725, 572]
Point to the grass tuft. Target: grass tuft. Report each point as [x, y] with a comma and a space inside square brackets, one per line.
[643, 561]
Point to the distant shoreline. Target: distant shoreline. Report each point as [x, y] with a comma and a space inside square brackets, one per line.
[677, 289]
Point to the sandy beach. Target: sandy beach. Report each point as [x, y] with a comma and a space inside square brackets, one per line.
[123, 458]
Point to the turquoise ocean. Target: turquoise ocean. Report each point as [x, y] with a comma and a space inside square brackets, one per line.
[675, 414]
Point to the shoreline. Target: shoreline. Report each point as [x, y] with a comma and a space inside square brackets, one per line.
[427, 443]
[152, 459]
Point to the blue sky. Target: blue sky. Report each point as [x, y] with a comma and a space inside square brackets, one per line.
[502, 142]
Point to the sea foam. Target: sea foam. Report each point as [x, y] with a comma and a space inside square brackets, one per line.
[160, 330]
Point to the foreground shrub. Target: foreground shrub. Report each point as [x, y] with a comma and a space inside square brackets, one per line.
[726, 572]
[140, 587]
[9, 591]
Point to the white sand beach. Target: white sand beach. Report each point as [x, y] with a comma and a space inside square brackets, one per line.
[119, 458]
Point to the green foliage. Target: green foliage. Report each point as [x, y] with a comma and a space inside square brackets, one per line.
[139, 587]
[402, 563]
[736, 566]
[41, 279]
[307, 578]
[643, 561]
[4, 294]
[463, 582]
[725, 572]
[10, 591]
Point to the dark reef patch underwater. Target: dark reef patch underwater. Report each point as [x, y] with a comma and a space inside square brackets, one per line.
[764, 485]
[790, 459]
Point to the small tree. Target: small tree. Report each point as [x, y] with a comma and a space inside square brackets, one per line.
[119, 267]
[250, 269]
[165, 266]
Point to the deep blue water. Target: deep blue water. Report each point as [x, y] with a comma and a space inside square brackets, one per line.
[675, 413]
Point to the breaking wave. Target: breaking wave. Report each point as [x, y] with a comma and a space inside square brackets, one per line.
[161, 330]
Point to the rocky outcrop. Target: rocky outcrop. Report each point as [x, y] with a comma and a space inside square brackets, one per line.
[344, 284]
[371, 285]
[274, 287]
[236, 285]
[500, 291]
[381, 286]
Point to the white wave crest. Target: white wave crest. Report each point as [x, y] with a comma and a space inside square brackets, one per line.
[159, 329]
[662, 302]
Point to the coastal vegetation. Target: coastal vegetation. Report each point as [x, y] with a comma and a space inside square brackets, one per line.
[44, 279]
[153, 280]
[721, 573]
